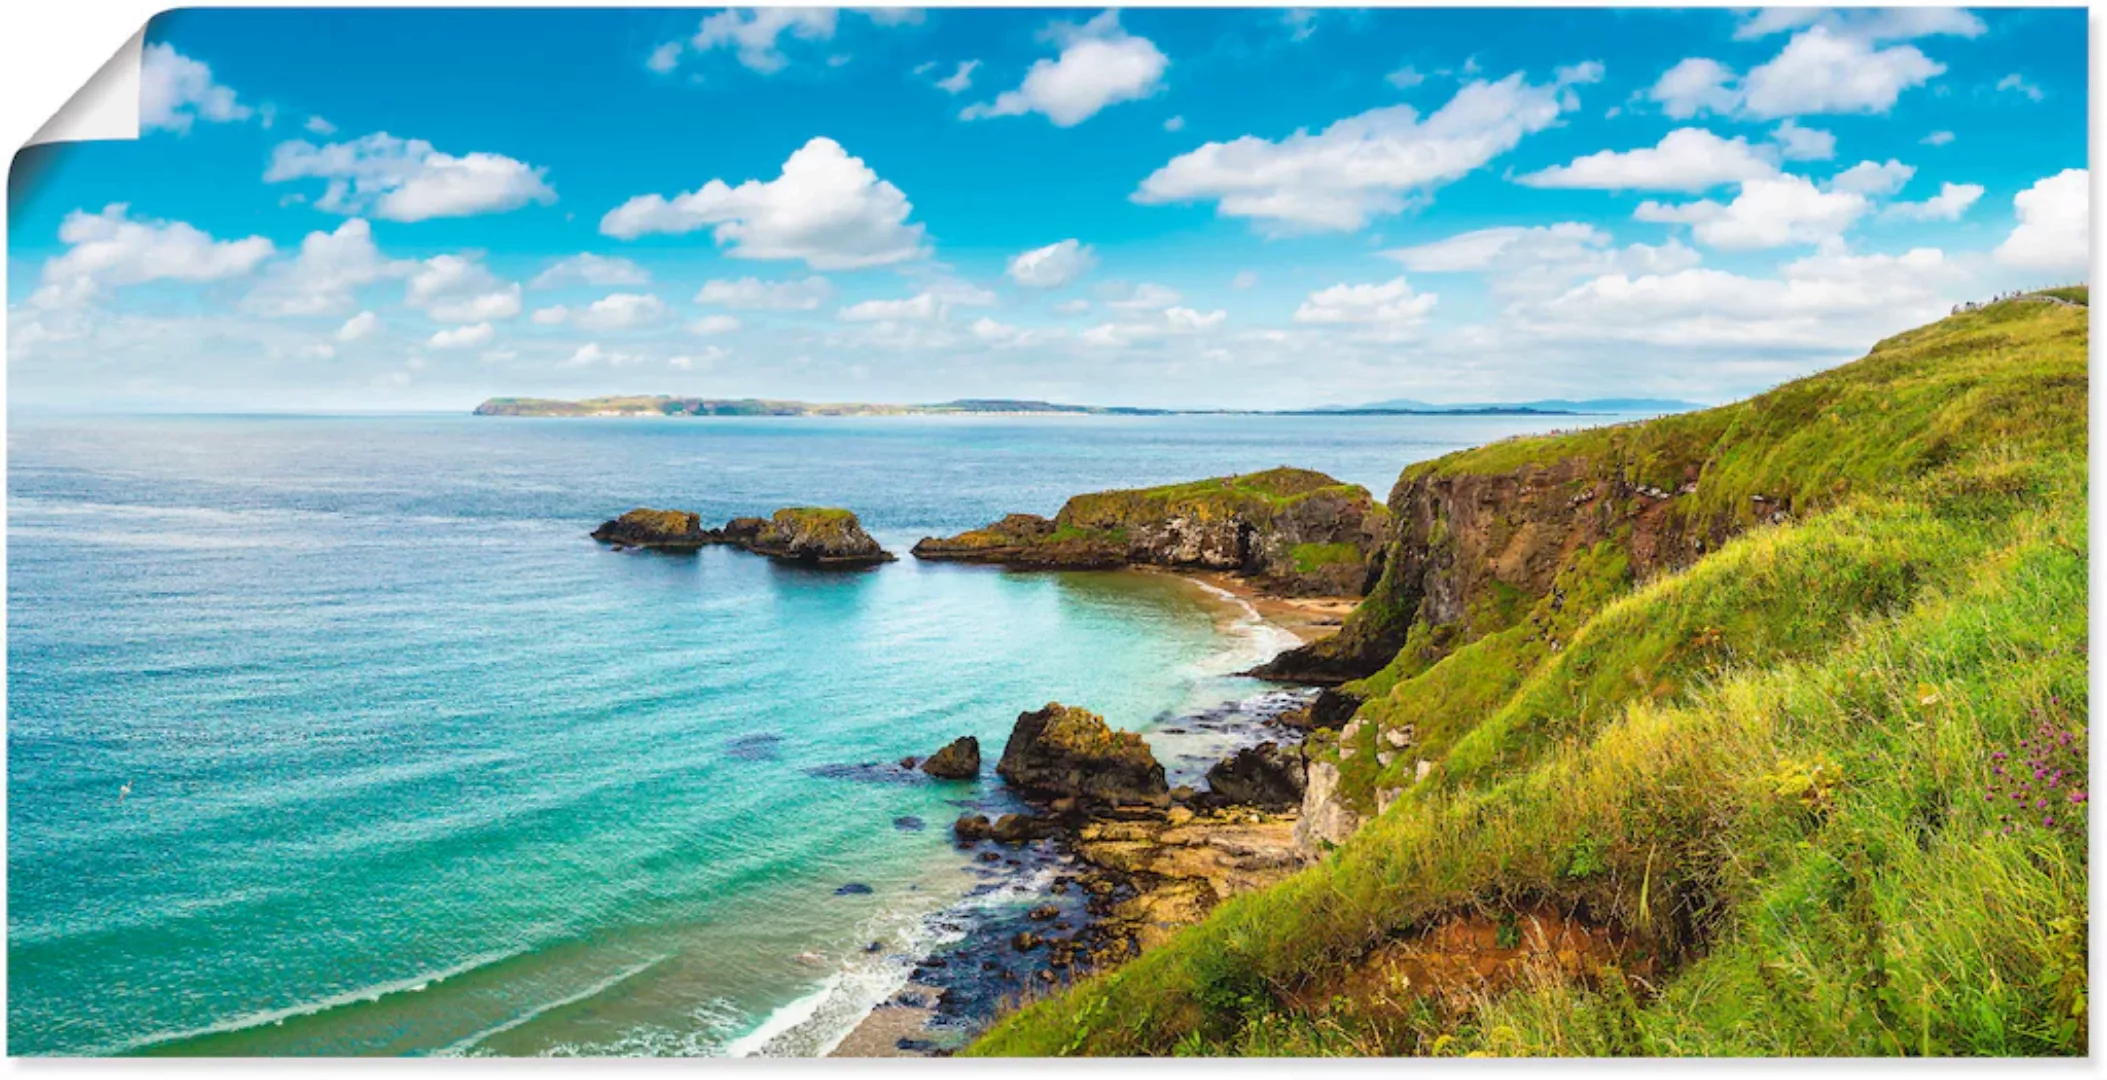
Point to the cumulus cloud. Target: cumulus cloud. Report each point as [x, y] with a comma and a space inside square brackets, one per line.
[1873, 179]
[591, 354]
[753, 34]
[175, 92]
[320, 126]
[757, 295]
[323, 278]
[1771, 212]
[113, 248]
[1949, 204]
[358, 327]
[664, 58]
[2018, 84]
[463, 337]
[1695, 85]
[999, 335]
[616, 311]
[1405, 78]
[1170, 322]
[458, 288]
[1875, 24]
[1834, 63]
[1796, 143]
[1100, 64]
[1360, 166]
[1390, 310]
[1052, 266]
[1686, 159]
[407, 179]
[1147, 296]
[1541, 260]
[2055, 223]
[713, 324]
[1937, 138]
[586, 268]
[958, 82]
[929, 305]
[827, 208]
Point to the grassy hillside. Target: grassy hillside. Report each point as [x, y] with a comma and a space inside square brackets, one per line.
[1781, 770]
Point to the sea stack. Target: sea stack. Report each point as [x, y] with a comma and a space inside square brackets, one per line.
[816, 535]
[644, 527]
[1060, 752]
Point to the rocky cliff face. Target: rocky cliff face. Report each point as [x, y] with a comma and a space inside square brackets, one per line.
[812, 535]
[1293, 531]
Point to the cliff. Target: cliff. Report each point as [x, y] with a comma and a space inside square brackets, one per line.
[1731, 696]
[1293, 531]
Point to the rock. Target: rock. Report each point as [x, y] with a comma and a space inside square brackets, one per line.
[1042, 913]
[1062, 752]
[1268, 775]
[1292, 530]
[853, 888]
[1178, 815]
[908, 823]
[1017, 828]
[1026, 941]
[667, 529]
[971, 827]
[1326, 818]
[819, 536]
[908, 762]
[958, 761]
[1183, 793]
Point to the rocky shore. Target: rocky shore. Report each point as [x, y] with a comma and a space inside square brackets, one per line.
[1104, 856]
[811, 535]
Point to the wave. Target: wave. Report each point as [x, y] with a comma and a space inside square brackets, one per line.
[1254, 638]
[463, 1046]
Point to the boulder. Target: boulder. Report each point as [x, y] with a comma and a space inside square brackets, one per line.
[644, 527]
[1060, 752]
[1017, 828]
[1269, 776]
[971, 827]
[958, 761]
[820, 536]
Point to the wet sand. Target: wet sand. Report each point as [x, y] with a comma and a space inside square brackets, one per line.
[1310, 618]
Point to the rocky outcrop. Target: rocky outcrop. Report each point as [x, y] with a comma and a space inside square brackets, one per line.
[644, 527]
[818, 536]
[958, 761]
[1061, 753]
[1292, 531]
[821, 536]
[1268, 776]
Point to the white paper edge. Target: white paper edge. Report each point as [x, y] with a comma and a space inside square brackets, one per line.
[106, 106]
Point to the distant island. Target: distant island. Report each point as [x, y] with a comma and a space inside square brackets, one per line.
[664, 405]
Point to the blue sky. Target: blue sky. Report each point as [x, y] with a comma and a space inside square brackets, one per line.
[375, 209]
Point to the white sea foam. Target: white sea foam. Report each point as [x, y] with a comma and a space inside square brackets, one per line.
[1254, 640]
[594, 990]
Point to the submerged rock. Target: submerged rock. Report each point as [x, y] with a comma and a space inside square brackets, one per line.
[1292, 530]
[853, 888]
[958, 761]
[1061, 752]
[1268, 775]
[645, 527]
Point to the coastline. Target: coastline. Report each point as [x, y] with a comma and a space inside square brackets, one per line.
[976, 964]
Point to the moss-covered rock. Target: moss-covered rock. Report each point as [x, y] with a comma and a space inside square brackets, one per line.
[958, 761]
[1294, 531]
[644, 527]
[1060, 752]
[816, 535]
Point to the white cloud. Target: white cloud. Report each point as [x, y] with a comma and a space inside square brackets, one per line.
[591, 354]
[112, 248]
[175, 92]
[1937, 138]
[586, 268]
[1405, 78]
[1686, 159]
[1053, 265]
[1300, 23]
[2018, 84]
[1390, 310]
[714, 324]
[1587, 71]
[1821, 72]
[323, 278]
[753, 33]
[997, 335]
[706, 358]
[1873, 24]
[407, 179]
[1072, 307]
[1100, 64]
[1171, 322]
[1796, 143]
[1244, 279]
[958, 82]
[1949, 204]
[320, 126]
[1873, 179]
[2055, 226]
[827, 208]
[1770, 212]
[1360, 166]
[1695, 85]
[457, 288]
[463, 337]
[358, 327]
[756, 295]
[1175, 123]
[664, 58]
[1541, 260]
[619, 311]
[1147, 296]
[926, 306]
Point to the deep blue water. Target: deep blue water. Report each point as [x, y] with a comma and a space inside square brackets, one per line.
[417, 767]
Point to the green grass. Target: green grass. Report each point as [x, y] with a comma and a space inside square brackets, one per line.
[1312, 557]
[1770, 769]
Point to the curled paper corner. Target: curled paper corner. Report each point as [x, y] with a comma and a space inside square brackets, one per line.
[106, 106]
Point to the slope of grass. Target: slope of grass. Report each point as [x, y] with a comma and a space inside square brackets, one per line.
[1775, 770]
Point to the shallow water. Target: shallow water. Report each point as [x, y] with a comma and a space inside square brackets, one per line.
[416, 767]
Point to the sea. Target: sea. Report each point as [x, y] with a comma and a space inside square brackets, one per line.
[337, 735]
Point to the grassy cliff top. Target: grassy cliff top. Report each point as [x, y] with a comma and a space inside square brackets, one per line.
[1808, 778]
[1252, 494]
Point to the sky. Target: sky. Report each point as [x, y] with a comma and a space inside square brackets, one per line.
[1243, 208]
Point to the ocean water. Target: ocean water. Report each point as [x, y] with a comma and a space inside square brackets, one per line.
[414, 766]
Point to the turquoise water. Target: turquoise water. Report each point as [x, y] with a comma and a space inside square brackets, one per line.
[416, 767]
